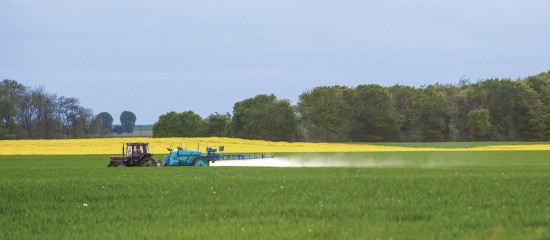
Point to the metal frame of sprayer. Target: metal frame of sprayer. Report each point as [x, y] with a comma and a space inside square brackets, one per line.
[185, 157]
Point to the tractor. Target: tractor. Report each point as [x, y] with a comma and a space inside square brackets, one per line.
[135, 154]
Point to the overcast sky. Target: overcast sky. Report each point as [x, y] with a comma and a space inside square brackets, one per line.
[152, 57]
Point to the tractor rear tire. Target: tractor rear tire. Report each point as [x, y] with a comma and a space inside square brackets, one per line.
[149, 162]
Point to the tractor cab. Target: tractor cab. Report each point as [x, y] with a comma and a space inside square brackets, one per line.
[135, 154]
[136, 150]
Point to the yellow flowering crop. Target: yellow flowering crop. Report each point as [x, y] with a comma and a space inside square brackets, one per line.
[113, 146]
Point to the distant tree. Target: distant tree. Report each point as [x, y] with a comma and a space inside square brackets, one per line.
[459, 109]
[83, 123]
[325, 114]
[497, 96]
[118, 129]
[264, 117]
[530, 116]
[218, 124]
[76, 121]
[69, 109]
[185, 124]
[541, 84]
[40, 114]
[453, 117]
[27, 112]
[434, 114]
[479, 124]
[102, 124]
[11, 93]
[6, 109]
[106, 120]
[127, 121]
[407, 106]
[517, 110]
[374, 115]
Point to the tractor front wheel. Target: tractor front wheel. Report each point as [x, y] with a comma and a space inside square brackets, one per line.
[149, 162]
[200, 162]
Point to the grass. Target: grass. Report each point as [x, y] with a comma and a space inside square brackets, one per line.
[141, 127]
[432, 195]
[147, 127]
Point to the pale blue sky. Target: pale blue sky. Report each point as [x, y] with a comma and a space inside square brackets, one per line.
[207, 55]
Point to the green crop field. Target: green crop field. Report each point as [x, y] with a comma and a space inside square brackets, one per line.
[419, 195]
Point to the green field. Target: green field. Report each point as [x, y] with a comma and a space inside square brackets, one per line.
[454, 144]
[427, 195]
[143, 128]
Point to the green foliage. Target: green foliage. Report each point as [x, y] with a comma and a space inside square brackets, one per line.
[450, 195]
[218, 124]
[117, 129]
[541, 84]
[374, 117]
[5, 134]
[127, 121]
[479, 124]
[10, 93]
[434, 112]
[264, 117]
[102, 124]
[528, 115]
[28, 112]
[184, 124]
[407, 106]
[517, 110]
[325, 114]
[106, 120]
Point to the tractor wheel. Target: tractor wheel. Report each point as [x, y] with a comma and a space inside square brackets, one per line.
[149, 162]
[200, 162]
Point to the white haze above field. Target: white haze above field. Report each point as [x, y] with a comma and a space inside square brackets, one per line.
[289, 162]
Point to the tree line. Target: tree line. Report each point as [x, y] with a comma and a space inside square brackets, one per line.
[262, 117]
[27, 112]
[488, 110]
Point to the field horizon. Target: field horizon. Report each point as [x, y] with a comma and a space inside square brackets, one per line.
[236, 145]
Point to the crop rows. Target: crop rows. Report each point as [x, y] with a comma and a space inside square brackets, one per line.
[477, 195]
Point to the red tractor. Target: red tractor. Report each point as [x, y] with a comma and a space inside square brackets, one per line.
[137, 154]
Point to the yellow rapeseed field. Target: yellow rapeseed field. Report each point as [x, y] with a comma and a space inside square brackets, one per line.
[232, 145]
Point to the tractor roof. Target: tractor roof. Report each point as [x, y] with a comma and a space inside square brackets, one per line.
[137, 143]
